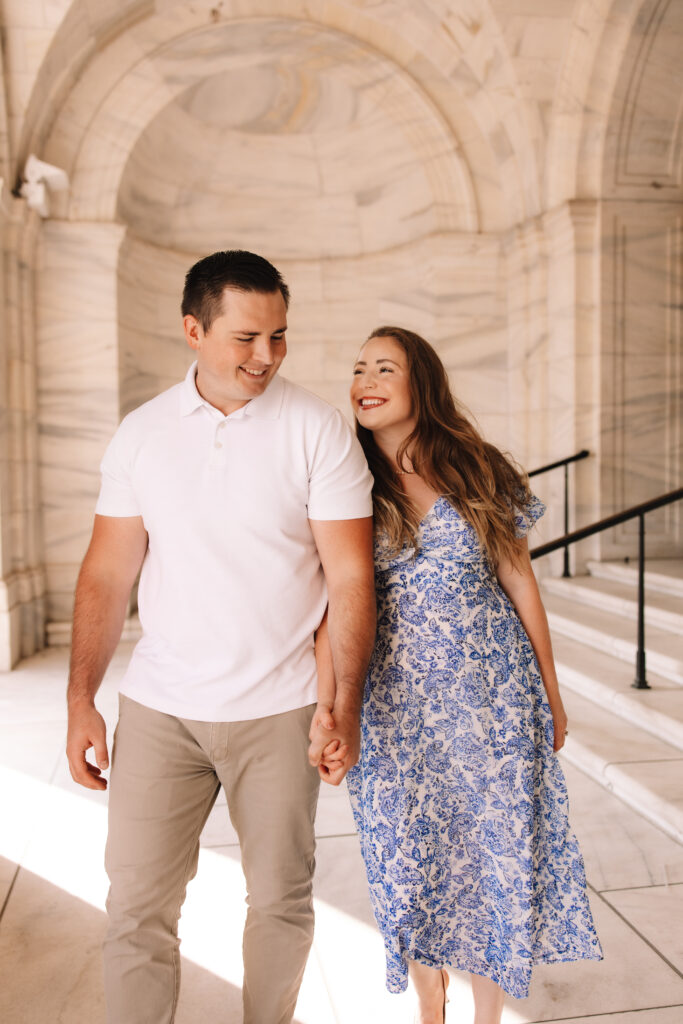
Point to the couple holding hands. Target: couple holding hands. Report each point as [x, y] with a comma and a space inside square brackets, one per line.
[302, 611]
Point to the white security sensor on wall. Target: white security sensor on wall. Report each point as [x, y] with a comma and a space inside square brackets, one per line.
[40, 178]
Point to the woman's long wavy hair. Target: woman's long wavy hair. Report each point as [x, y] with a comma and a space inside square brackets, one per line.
[451, 456]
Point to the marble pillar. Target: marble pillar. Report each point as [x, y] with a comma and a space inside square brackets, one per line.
[527, 365]
[573, 368]
[78, 393]
[641, 400]
[22, 579]
[553, 363]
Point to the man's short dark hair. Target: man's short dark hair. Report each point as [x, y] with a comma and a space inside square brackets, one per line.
[244, 271]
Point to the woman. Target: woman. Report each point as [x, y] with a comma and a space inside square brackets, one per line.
[459, 799]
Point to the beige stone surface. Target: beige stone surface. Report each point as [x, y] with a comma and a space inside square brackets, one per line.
[503, 176]
[657, 914]
[52, 923]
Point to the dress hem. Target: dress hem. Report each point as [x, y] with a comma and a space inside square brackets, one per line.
[485, 972]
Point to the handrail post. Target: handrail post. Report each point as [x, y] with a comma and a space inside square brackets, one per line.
[566, 573]
[640, 682]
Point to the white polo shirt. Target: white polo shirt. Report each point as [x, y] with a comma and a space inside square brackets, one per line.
[231, 589]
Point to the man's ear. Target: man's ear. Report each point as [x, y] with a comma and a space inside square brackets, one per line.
[193, 332]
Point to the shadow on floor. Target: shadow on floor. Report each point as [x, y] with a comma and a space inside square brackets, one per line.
[44, 930]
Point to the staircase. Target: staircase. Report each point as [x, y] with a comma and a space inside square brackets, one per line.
[631, 741]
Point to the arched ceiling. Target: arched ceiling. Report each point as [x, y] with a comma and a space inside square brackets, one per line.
[455, 62]
[304, 144]
[522, 89]
[643, 152]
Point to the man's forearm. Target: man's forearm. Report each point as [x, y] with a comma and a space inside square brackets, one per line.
[99, 612]
[351, 624]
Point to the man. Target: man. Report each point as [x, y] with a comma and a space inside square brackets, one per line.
[246, 500]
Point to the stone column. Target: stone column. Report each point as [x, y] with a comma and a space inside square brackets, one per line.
[641, 402]
[553, 361]
[78, 393]
[526, 265]
[529, 417]
[573, 354]
[22, 581]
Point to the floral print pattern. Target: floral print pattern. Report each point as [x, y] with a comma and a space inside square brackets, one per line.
[459, 799]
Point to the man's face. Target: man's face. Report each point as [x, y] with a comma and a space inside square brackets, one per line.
[242, 350]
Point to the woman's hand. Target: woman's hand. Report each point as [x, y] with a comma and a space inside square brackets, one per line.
[335, 742]
[332, 768]
[322, 719]
[559, 726]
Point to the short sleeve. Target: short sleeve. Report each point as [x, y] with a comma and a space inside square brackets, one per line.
[117, 496]
[527, 515]
[340, 483]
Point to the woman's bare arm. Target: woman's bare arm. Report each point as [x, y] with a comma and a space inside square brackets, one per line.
[330, 767]
[519, 583]
[324, 666]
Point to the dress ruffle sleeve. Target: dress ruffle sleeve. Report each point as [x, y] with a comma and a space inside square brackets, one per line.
[527, 515]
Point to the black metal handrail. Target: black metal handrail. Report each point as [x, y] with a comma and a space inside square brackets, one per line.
[583, 454]
[640, 682]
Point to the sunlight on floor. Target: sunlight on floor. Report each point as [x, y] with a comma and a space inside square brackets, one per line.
[60, 835]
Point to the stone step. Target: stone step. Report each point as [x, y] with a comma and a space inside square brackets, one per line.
[662, 575]
[643, 771]
[606, 681]
[612, 634]
[665, 611]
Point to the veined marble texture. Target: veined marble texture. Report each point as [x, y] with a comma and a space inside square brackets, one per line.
[503, 176]
[22, 576]
[642, 370]
[446, 287]
[311, 148]
[77, 387]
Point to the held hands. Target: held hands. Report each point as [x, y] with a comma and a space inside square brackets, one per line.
[87, 729]
[335, 743]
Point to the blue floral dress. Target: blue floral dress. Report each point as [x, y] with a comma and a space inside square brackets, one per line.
[459, 799]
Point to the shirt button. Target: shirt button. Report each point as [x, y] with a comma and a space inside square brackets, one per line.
[218, 444]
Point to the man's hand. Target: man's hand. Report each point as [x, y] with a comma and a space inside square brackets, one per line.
[86, 730]
[347, 733]
[112, 562]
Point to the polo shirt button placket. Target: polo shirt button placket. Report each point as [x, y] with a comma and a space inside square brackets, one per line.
[217, 457]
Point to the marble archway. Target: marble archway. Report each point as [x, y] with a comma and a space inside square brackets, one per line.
[641, 396]
[101, 78]
[460, 171]
[289, 136]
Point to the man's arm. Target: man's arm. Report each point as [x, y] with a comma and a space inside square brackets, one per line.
[345, 549]
[112, 562]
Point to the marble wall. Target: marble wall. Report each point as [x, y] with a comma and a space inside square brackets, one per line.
[642, 373]
[447, 287]
[22, 574]
[77, 390]
[505, 177]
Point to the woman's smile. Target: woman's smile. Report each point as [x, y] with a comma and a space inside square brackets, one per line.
[382, 363]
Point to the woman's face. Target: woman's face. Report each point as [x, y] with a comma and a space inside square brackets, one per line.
[380, 392]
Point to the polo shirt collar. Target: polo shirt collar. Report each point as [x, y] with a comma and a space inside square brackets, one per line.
[266, 406]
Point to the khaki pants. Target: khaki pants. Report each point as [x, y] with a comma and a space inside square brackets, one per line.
[166, 774]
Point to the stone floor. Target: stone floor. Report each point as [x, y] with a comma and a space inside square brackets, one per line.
[52, 890]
